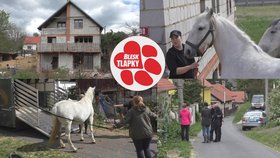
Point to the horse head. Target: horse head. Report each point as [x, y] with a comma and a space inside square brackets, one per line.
[201, 35]
[270, 39]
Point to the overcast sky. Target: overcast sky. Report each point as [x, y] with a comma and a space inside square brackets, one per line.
[114, 14]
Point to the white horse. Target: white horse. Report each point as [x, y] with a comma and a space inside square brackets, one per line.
[239, 56]
[68, 111]
[270, 41]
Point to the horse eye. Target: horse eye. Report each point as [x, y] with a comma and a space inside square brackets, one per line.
[272, 32]
[200, 28]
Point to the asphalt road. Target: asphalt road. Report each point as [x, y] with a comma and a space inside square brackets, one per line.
[233, 145]
[109, 144]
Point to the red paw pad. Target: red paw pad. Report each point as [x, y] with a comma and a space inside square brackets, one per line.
[152, 66]
[127, 77]
[149, 51]
[143, 78]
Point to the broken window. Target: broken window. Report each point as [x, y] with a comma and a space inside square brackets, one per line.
[83, 39]
[61, 24]
[51, 39]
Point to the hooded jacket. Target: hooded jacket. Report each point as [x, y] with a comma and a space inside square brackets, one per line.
[139, 120]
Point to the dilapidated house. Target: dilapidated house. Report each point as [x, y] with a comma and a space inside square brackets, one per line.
[70, 39]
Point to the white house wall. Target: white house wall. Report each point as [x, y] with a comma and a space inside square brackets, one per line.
[88, 26]
[60, 18]
[46, 60]
[65, 61]
[97, 61]
[33, 47]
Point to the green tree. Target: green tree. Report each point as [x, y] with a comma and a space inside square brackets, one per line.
[4, 21]
[192, 91]
[273, 102]
[11, 36]
[108, 42]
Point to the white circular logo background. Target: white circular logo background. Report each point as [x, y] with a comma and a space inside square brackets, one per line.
[158, 59]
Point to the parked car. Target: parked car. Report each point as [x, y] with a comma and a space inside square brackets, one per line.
[257, 102]
[253, 118]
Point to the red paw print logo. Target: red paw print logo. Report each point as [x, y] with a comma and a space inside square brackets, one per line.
[137, 63]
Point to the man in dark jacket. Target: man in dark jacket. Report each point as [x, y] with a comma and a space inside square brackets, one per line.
[177, 63]
[217, 119]
[206, 118]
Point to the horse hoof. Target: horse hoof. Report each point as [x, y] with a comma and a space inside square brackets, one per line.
[81, 139]
[75, 150]
[93, 142]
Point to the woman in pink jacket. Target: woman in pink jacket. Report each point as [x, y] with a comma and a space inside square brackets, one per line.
[186, 120]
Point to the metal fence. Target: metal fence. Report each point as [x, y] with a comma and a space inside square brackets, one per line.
[256, 2]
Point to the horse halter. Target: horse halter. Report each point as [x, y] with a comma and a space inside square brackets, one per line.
[196, 47]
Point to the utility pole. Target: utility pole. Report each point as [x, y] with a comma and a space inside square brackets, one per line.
[224, 84]
[266, 97]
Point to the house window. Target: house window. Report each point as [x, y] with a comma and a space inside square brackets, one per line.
[77, 60]
[83, 39]
[29, 47]
[51, 39]
[78, 23]
[202, 6]
[61, 24]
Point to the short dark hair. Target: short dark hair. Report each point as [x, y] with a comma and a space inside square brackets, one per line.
[175, 33]
[205, 104]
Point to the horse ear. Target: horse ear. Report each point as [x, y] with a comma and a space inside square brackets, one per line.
[210, 13]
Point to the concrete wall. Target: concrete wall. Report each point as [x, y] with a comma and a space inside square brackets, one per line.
[45, 60]
[65, 60]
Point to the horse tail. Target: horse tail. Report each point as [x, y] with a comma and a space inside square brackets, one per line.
[55, 130]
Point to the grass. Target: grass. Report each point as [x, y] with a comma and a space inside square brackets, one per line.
[28, 149]
[267, 136]
[174, 145]
[254, 20]
[240, 112]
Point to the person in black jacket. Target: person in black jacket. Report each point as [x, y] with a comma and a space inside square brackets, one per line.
[217, 119]
[177, 63]
[206, 118]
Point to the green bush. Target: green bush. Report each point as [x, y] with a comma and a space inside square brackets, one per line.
[274, 103]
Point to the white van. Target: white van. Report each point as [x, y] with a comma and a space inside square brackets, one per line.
[258, 102]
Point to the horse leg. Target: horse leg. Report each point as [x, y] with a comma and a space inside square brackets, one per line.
[91, 128]
[67, 134]
[82, 131]
[62, 145]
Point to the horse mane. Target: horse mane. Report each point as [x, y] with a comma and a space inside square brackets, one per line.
[89, 94]
[238, 32]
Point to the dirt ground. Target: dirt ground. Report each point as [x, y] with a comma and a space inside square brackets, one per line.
[109, 144]
[29, 62]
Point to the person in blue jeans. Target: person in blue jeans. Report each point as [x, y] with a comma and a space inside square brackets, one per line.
[140, 128]
[206, 118]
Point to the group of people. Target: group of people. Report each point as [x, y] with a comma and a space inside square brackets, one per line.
[211, 121]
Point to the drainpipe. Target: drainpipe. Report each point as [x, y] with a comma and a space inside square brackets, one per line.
[68, 23]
